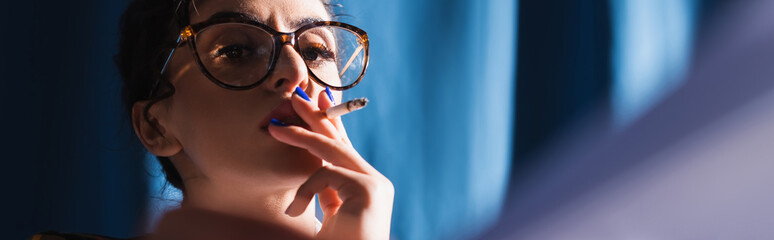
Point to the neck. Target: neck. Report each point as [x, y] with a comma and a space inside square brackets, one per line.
[258, 204]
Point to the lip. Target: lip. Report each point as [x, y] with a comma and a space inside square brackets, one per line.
[285, 113]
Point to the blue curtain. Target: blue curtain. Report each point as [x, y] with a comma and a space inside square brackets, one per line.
[441, 81]
[67, 158]
[439, 124]
[563, 74]
[653, 41]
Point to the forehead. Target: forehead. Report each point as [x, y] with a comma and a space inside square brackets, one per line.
[282, 15]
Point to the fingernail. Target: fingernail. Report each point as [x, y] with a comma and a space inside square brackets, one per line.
[303, 95]
[291, 211]
[287, 211]
[276, 122]
[330, 95]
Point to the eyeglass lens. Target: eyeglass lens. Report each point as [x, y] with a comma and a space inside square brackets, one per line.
[240, 54]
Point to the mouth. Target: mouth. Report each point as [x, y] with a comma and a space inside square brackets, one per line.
[285, 113]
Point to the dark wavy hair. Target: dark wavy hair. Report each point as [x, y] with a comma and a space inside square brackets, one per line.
[148, 29]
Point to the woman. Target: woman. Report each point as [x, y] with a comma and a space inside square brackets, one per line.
[235, 111]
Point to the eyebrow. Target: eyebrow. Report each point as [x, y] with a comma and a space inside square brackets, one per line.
[294, 25]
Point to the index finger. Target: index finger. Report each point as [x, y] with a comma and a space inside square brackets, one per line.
[331, 150]
[325, 101]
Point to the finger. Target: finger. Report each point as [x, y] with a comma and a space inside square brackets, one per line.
[340, 127]
[322, 147]
[325, 101]
[329, 201]
[312, 115]
[347, 184]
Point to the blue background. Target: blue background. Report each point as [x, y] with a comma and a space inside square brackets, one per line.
[463, 93]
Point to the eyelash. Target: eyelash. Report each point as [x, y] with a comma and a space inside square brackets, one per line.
[319, 49]
[222, 53]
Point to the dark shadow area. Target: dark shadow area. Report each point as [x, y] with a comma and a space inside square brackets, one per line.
[563, 72]
[72, 162]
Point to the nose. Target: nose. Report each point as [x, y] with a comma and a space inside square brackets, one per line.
[289, 72]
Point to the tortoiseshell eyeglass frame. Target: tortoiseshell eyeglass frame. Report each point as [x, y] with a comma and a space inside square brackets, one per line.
[188, 35]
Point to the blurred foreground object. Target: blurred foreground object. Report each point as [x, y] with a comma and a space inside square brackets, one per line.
[697, 166]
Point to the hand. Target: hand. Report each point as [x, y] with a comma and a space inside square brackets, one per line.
[355, 198]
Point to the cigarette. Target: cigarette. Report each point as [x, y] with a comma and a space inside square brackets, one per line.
[347, 107]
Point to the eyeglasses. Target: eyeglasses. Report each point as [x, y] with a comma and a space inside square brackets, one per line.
[239, 54]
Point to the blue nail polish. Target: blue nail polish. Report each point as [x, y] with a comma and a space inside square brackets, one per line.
[330, 95]
[276, 122]
[303, 95]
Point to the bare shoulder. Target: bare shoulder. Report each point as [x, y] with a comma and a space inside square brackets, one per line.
[192, 224]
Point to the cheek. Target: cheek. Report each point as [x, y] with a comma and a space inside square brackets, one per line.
[219, 130]
[209, 116]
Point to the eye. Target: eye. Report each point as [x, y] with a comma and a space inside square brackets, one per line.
[233, 52]
[317, 52]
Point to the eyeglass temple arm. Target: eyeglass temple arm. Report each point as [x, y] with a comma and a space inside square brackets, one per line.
[164, 68]
[177, 44]
[357, 51]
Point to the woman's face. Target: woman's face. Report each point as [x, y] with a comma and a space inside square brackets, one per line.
[222, 133]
